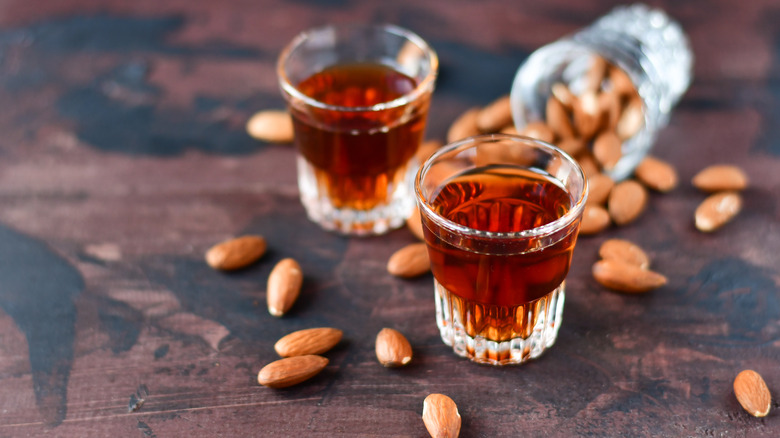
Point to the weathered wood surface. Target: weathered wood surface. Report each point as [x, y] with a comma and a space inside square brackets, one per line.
[123, 158]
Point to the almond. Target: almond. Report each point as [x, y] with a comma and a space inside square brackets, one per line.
[558, 118]
[588, 164]
[752, 393]
[587, 115]
[627, 201]
[427, 148]
[414, 224]
[717, 210]
[409, 261]
[495, 116]
[572, 145]
[720, 177]
[441, 417]
[631, 119]
[274, 126]
[607, 149]
[284, 286]
[511, 130]
[539, 131]
[563, 94]
[236, 253]
[623, 277]
[620, 82]
[595, 219]
[609, 102]
[464, 126]
[599, 186]
[596, 73]
[291, 371]
[656, 174]
[308, 341]
[624, 251]
[392, 348]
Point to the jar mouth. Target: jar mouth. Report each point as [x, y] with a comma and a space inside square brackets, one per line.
[424, 86]
[575, 211]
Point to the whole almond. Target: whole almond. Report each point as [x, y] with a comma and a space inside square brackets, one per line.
[409, 261]
[631, 119]
[236, 253]
[607, 149]
[441, 417]
[609, 102]
[274, 126]
[720, 177]
[464, 126]
[620, 82]
[539, 131]
[308, 341]
[291, 371]
[558, 118]
[717, 210]
[624, 251]
[392, 348]
[427, 148]
[284, 286]
[511, 130]
[414, 224]
[587, 114]
[563, 94]
[599, 186]
[495, 116]
[627, 201]
[623, 277]
[588, 164]
[596, 73]
[572, 145]
[752, 393]
[656, 174]
[595, 219]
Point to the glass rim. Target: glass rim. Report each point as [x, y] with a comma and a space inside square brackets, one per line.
[424, 86]
[542, 230]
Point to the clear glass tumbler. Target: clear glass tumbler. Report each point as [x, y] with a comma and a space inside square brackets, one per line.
[500, 215]
[359, 98]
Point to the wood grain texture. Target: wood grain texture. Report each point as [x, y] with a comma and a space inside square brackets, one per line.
[124, 157]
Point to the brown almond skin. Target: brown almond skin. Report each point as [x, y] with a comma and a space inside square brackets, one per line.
[409, 261]
[558, 118]
[284, 286]
[609, 101]
[620, 82]
[599, 187]
[539, 131]
[308, 341]
[563, 94]
[291, 371]
[572, 145]
[464, 126]
[414, 224]
[627, 201]
[595, 219]
[392, 348]
[752, 393]
[273, 126]
[656, 174]
[623, 277]
[607, 149]
[720, 177]
[596, 73]
[624, 251]
[441, 417]
[717, 210]
[495, 116]
[589, 165]
[632, 119]
[236, 253]
[587, 114]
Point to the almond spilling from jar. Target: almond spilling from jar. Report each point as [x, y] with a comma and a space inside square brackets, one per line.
[607, 149]
[441, 417]
[464, 126]
[627, 201]
[291, 371]
[409, 261]
[236, 253]
[595, 219]
[274, 126]
[632, 119]
[539, 131]
[587, 115]
[495, 116]
[717, 210]
[563, 94]
[599, 187]
[752, 393]
[558, 118]
[308, 341]
[623, 277]
[720, 177]
[392, 348]
[284, 286]
[624, 251]
[656, 174]
[572, 145]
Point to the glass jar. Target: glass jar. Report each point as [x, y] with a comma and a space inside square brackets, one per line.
[648, 46]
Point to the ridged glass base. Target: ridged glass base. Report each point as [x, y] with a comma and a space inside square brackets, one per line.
[395, 205]
[525, 331]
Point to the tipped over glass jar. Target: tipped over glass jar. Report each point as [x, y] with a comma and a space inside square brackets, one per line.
[607, 90]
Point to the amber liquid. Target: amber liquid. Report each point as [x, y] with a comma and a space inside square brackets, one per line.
[359, 156]
[497, 285]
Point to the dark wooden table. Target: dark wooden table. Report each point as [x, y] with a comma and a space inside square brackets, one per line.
[123, 157]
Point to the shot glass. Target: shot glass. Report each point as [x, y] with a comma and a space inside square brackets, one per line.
[359, 98]
[500, 215]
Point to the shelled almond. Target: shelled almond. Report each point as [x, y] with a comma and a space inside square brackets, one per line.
[392, 348]
[409, 261]
[291, 371]
[236, 253]
[308, 341]
[284, 286]
[274, 126]
[441, 417]
[752, 393]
